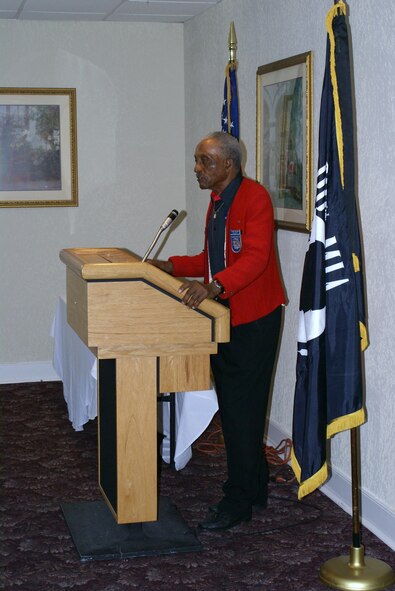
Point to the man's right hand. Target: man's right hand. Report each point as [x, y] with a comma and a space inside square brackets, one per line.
[166, 266]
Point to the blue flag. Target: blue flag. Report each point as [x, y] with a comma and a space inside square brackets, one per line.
[230, 107]
[332, 333]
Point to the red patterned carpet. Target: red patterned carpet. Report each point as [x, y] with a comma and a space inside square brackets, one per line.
[46, 463]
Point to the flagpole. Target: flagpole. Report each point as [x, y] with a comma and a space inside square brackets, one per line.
[329, 371]
[230, 106]
[232, 46]
[356, 572]
[356, 521]
[232, 43]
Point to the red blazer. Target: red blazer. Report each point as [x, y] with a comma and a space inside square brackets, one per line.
[251, 278]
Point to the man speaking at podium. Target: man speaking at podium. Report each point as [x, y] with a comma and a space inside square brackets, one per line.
[239, 268]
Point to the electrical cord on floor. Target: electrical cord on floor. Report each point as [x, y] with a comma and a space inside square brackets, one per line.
[213, 443]
[278, 456]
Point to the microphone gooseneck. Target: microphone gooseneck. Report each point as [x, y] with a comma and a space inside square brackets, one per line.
[165, 224]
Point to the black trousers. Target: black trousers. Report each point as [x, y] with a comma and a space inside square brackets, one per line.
[242, 371]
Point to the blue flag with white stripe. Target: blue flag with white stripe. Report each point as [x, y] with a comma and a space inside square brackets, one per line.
[332, 333]
[230, 106]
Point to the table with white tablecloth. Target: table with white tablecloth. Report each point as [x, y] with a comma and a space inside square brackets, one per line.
[76, 366]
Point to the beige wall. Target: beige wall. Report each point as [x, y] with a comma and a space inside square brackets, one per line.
[130, 129]
[268, 31]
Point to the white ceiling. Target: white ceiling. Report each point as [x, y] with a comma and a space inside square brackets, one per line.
[162, 11]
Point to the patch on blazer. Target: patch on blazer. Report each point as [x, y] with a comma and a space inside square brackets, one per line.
[235, 240]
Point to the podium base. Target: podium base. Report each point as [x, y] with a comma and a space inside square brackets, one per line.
[97, 536]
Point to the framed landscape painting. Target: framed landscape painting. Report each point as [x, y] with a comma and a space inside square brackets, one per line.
[38, 147]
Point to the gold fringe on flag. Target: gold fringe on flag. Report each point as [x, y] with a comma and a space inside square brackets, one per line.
[338, 121]
[362, 328]
[312, 483]
[350, 421]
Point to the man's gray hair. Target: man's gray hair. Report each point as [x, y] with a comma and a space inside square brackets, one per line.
[230, 146]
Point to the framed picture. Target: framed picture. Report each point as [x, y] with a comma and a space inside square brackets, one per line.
[284, 138]
[38, 147]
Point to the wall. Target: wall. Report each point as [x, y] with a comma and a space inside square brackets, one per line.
[130, 132]
[132, 159]
[268, 31]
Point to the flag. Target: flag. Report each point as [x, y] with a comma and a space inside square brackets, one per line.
[230, 107]
[332, 332]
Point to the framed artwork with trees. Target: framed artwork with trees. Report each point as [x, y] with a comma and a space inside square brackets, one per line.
[38, 147]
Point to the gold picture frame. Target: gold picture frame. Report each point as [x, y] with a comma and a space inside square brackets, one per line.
[284, 138]
[38, 147]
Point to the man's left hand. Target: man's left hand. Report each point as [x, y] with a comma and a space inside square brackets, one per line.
[196, 292]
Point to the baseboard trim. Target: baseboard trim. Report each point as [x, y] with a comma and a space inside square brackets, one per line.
[34, 371]
[375, 516]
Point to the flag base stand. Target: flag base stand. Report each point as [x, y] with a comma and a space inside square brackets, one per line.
[356, 573]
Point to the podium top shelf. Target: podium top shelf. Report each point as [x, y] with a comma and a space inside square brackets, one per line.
[101, 263]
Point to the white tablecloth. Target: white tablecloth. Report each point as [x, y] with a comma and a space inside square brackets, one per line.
[76, 366]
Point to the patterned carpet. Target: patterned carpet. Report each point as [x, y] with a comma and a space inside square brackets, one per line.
[46, 463]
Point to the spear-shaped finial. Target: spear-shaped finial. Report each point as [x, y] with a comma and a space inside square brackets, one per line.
[232, 42]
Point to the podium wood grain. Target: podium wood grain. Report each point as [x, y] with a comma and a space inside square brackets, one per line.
[131, 312]
[136, 439]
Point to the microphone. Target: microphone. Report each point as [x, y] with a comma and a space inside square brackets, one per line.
[165, 224]
[170, 219]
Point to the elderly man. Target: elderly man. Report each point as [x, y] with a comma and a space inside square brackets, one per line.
[239, 267]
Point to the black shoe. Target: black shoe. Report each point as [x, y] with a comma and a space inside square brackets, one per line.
[222, 520]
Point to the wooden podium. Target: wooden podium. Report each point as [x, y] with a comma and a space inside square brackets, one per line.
[129, 314]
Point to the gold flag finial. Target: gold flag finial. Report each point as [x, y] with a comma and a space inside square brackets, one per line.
[232, 42]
